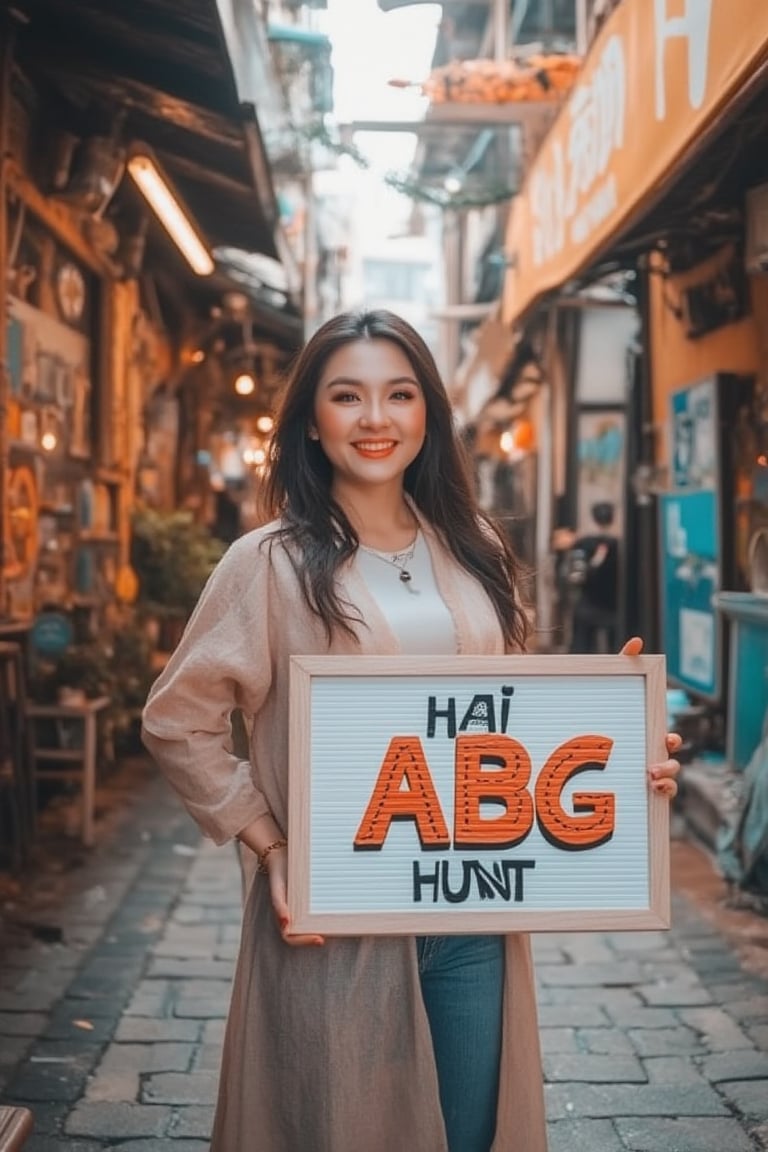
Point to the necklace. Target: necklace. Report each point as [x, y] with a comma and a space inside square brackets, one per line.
[398, 560]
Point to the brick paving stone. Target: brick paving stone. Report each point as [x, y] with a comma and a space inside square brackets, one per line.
[40, 999]
[106, 1008]
[196, 1120]
[593, 1069]
[684, 1135]
[687, 993]
[38, 1143]
[746, 1010]
[604, 1042]
[175, 941]
[213, 1031]
[185, 969]
[740, 1065]
[588, 949]
[143, 1030]
[207, 1058]
[637, 943]
[638, 1016]
[128, 1119]
[750, 1097]
[614, 1000]
[199, 1008]
[571, 1101]
[573, 1016]
[56, 1070]
[716, 1029]
[72, 1018]
[162, 1146]
[22, 1023]
[151, 998]
[178, 1088]
[113, 1086]
[156, 1057]
[666, 1041]
[590, 976]
[672, 1070]
[44, 958]
[558, 1040]
[584, 1136]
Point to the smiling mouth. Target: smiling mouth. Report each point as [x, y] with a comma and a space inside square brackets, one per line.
[375, 448]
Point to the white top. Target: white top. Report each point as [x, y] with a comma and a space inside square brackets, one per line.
[414, 610]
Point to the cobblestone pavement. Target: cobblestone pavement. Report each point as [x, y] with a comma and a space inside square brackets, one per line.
[115, 972]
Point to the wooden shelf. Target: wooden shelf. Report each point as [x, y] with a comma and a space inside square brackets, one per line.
[56, 509]
[89, 536]
[63, 755]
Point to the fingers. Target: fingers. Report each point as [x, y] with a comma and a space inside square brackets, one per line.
[665, 787]
[662, 778]
[633, 647]
[302, 941]
[296, 940]
[674, 742]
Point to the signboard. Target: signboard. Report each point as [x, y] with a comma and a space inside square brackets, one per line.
[657, 77]
[690, 542]
[476, 794]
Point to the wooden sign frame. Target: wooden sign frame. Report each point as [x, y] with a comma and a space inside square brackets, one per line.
[638, 855]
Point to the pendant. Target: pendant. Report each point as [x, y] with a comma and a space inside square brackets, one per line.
[405, 576]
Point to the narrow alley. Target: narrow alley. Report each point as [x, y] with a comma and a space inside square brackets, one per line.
[115, 973]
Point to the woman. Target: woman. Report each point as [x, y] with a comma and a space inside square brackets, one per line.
[377, 547]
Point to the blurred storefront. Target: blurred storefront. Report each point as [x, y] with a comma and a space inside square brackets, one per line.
[112, 296]
[142, 245]
[639, 240]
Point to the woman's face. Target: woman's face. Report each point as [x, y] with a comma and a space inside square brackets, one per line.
[370, 414]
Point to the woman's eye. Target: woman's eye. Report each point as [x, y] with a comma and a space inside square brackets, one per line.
[403, 394]
[345, 397]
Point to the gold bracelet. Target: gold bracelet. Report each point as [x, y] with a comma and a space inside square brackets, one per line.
[262, 856]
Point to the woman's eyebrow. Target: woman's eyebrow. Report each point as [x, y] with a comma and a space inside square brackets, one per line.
[351, 381]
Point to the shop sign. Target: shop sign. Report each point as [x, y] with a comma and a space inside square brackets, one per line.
[659, 74]
[476, 794]
[52, 633]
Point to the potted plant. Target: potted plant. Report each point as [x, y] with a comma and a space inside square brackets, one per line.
[173, 556]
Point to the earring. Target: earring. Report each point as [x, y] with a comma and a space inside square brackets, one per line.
[314, 434]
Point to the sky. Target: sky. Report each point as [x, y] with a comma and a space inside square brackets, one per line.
[371, 47]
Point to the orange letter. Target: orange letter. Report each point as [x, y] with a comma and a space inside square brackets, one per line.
[506, 785]
[575, 833]
[404, 762]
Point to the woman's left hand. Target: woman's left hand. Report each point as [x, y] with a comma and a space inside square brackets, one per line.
[662, 777]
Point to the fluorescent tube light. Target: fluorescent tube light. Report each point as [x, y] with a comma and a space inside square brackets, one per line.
[170, 213]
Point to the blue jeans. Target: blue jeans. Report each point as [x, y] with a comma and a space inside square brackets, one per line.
[462, 982]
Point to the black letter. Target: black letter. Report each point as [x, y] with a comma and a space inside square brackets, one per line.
[480, 715]
[449, 714]
[506, 691]
[460, 896]
[418, 880]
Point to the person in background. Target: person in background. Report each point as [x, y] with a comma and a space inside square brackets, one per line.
[376, 546]
[593, 567]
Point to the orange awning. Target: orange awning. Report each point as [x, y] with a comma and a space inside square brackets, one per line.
[660, 73]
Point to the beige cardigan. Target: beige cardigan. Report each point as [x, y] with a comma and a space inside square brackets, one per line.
[327, 1049]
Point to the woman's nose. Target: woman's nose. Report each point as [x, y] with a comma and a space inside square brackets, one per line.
[374, 415]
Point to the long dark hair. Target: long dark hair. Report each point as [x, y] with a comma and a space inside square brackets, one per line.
[321, 538]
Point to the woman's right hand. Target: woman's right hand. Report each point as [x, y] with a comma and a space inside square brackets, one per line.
[277, 874]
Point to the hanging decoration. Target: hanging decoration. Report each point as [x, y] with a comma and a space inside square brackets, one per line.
[534, 79]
